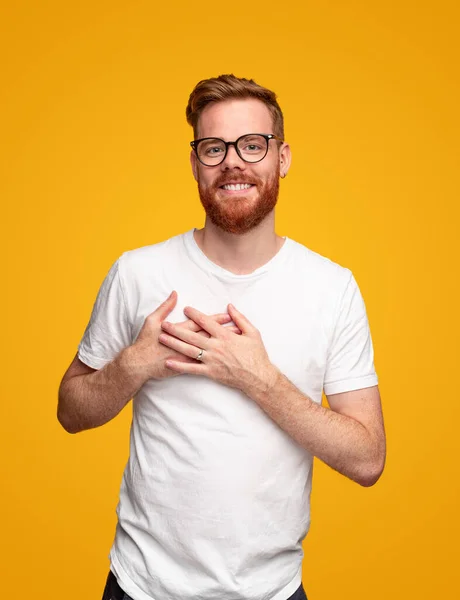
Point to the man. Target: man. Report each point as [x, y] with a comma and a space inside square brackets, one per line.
[227, 415]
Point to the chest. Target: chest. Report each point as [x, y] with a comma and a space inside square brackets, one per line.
[291, 316]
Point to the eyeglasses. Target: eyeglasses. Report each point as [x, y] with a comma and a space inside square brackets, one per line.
[251, 147]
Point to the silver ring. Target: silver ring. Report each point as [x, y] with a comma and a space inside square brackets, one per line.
[200, 355]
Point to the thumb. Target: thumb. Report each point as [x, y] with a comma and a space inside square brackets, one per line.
[241, 321]
[167, 306]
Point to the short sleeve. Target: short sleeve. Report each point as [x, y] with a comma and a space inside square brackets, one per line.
[108, 330]
[350, 362]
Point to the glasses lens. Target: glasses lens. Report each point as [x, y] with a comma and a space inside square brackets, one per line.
[252, 147]
[211, 151]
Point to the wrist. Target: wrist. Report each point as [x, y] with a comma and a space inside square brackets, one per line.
[262, 384]
[132, 362]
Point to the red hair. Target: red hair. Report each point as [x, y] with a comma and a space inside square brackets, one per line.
[226, 87]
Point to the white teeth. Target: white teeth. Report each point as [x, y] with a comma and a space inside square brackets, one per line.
[235, 187]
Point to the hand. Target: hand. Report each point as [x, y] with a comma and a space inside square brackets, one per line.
[238, 361]
[151, 355]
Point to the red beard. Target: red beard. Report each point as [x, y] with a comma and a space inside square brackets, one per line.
[240, 214]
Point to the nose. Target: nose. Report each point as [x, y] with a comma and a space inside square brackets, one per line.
[232, 160]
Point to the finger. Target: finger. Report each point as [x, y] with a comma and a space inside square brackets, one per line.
[203, 333]
[167, 306]
[179, 346]
[181, 358]
[184, 335]
[241, 321]
[204, 321]
[220, 318]
[234, 329]
[181, 367]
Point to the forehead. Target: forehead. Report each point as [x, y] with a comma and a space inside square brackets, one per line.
[231, 118]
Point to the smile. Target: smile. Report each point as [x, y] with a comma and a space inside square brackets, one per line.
[236, 187]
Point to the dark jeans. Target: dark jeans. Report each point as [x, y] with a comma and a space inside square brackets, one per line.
[113, 591]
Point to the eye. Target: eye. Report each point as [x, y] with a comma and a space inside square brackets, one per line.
[214, 150]
[252, 145]
[211, 148]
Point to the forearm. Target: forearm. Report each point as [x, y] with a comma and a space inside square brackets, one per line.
[90, 400]
[338, 440]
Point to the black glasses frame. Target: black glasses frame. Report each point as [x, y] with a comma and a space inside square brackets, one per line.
[268, 136]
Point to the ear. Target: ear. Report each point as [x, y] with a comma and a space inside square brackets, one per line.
[194, 163]
[285, 159]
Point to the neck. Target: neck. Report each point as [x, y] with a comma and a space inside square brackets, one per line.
[240, 254]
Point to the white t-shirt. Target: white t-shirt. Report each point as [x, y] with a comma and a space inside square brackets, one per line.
[215, 497]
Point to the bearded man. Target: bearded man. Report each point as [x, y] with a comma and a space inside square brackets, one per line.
[227, 415]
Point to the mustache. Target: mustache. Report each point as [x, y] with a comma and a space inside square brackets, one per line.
[227, 178]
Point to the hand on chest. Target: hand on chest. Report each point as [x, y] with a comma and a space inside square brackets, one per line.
[289, 320]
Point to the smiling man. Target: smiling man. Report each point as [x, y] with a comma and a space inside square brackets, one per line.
[238, 195]
[227, 415]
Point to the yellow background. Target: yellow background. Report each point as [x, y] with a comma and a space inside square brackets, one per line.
[95, 162]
